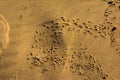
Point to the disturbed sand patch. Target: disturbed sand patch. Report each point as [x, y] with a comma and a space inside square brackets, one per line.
[4, 33]
[53, 50]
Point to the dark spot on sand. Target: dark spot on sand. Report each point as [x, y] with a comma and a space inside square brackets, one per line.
[114, 28]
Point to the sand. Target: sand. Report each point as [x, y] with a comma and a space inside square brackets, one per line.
[59, 40]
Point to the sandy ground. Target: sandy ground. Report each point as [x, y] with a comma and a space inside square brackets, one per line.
[59, 40]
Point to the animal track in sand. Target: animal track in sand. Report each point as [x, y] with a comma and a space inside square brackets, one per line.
[112, 16]
[51, 51]
[85, 65]
[51, 45]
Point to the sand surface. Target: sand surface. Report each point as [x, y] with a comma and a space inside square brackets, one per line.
[59, 39]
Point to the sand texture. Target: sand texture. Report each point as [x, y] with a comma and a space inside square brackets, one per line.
[59, 39]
